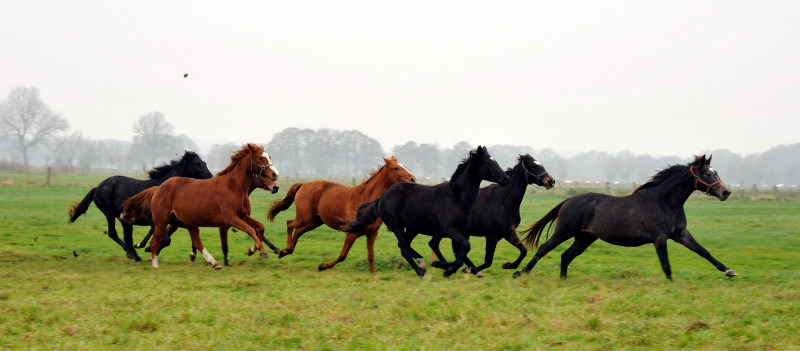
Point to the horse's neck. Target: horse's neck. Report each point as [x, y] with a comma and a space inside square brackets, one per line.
[514, 191]
[239, 178]
[675, 190]
[466, 186]
[374, 187]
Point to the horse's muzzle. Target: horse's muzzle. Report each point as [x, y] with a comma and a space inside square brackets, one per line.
[549, 182]
[274, 189]
[721, 192]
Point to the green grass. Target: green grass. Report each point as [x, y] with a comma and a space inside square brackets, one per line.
[615, 297]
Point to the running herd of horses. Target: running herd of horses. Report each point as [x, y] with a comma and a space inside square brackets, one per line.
[184, 194]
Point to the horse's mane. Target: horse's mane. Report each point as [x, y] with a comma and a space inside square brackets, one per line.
[161, 171]
[665, 173]
[371, 175]
[246, 149]
[463, 165]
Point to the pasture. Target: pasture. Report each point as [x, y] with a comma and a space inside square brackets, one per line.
[615, 297]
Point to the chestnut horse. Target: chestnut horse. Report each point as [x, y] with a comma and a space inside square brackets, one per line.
[265, 183]
[324, 202]
[215, 202]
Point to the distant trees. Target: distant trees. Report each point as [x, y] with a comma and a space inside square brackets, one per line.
[27, 120]
[154, 141]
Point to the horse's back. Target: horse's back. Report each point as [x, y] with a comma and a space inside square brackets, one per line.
[411, 206]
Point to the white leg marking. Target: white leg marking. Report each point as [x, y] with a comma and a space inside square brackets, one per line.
[155, 262]
[208, 257]
[421, 262]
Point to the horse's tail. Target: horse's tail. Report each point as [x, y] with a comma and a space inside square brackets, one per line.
[138, 205]
[76, 210]
[280, 205]
[532, 234]
[367, 214]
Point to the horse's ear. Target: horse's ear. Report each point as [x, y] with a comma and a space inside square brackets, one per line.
[386, 160]
[393, 158]
[708, 161]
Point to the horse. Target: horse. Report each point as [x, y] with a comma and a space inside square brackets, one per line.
[653, 213]
[265, 183]
[495, 214]
[109, 195]
[215, 202]
[324, 202]
[409, 209]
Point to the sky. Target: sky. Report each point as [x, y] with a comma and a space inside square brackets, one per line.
[650, 77]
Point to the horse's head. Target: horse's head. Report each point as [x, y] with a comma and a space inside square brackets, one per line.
[194, 166]
[706, 179]
[262, 166]
[266, 183]
[396, 172]
[487, 166]
[535, 172]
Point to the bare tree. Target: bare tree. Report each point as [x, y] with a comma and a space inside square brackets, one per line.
[155, 142]
[27, 119]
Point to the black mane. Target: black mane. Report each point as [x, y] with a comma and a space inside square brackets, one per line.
[665, 173]
[463, 165]
[161, 171]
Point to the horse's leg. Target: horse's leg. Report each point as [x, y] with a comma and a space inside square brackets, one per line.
[348, 243]
[165, 241]
[194, 233]
[491, 246]
[300, 227]
[144, 241]
[686, 239]
[371, 250]
[582, 241]
[461, 247]
[513, 238]
[127, 232]
[404, 243]
[112, 233]
[441, 262]
[223, 240]
[661, 249]
[260, 230]
[559, 236]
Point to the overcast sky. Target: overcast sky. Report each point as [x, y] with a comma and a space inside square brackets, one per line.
[663, 78]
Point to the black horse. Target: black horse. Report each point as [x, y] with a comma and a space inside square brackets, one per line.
[109, 195]
[409, 209]
[653, 213]
[495, 214]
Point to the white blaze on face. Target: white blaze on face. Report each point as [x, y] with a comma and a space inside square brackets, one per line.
[401, 166]
[271, 166]
[537, 163]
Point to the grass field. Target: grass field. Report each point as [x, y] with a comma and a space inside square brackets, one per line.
[615, 297]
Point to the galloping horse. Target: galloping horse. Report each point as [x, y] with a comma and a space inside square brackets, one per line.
[439, 210]
[495, 214]
[109, 195]
[265, 183]
[215, 202]
[653, 213]
[324, 202]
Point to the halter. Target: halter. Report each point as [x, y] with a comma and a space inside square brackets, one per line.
[698, 180]
[253, 163]
[539, 176]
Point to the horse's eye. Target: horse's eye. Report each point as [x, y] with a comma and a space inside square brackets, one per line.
[396, 168]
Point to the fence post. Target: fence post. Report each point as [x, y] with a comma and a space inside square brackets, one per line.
[49, 171]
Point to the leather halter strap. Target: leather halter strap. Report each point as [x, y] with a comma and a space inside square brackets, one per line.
[539, 176]
[253, 163]
[698, 180]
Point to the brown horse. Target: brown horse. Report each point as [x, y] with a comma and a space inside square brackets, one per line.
[266, 183]
[219, 201]
[324, 202]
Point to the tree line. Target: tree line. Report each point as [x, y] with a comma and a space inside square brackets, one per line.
[30, 134]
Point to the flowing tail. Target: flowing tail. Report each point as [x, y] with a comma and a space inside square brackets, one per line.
[138, 205]
[280, 205]
[76, 211]
[532, 234]
[367, 214]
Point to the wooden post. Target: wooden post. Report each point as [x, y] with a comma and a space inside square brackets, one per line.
[49, 171]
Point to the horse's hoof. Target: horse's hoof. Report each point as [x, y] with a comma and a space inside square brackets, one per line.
[154, 260]
[276, 251]
[283, 253]
[147, 249]
[264, 255]
[193, 256]
[321, 267]
[251, 251]
[516, 274]
[466, 270]
[438, 264]
[138, 245]
[479, 275]
[730, 273]
[216, 265]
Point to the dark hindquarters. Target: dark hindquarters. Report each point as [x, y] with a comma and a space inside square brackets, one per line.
[533, 234]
